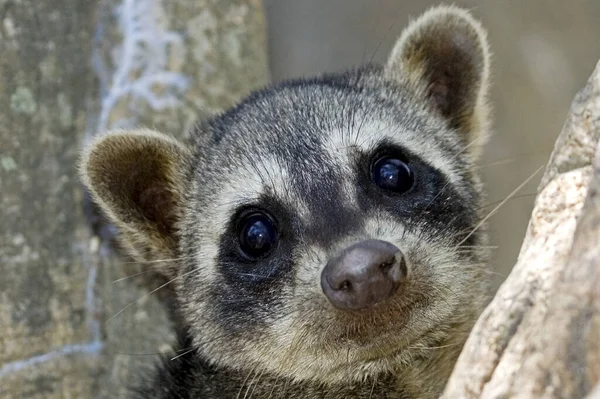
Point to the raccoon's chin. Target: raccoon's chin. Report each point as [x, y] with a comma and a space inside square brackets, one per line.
[379, 345]
[379, 334]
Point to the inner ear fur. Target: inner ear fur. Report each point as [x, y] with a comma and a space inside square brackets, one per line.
[137, 177]
[444, 55]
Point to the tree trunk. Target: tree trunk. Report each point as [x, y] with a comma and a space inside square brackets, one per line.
[68, 69]
[539, 337]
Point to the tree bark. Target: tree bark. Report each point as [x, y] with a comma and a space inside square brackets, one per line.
[68, 69]
[539, 336]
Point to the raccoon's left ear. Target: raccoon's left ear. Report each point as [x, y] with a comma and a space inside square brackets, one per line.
[444, 56]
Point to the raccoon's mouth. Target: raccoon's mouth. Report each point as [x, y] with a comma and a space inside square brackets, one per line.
[385, 322]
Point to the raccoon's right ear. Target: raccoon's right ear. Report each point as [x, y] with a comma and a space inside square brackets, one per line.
[444, 57]
[137, 178]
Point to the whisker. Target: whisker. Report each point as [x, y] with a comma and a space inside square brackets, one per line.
[433, 347]
[255, 384]
[465, 148]
[482, 269]
[261, 276]
[156, 261]
[148, 354]
[493, 211]
[132, 275]
[513, 198]
[147, 294]
[183, 354]
[287, 357]
[139, 354]
[481, 246]
[380, 43]
[244, 383]
[489, 165]
[373, 388]
[513, 158]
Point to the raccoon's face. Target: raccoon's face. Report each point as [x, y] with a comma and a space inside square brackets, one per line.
[324, 228]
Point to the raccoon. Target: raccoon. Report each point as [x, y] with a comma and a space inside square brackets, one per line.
[325, 235]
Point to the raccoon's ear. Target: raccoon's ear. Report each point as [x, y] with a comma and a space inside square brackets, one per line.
[137, 178]
[444, 56]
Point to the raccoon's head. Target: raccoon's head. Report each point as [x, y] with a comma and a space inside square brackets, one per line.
[325, 228]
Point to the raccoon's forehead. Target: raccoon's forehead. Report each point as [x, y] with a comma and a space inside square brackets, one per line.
[297, 140]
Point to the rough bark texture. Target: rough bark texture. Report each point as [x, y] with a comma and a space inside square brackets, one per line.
[70, 68]
[539, 336]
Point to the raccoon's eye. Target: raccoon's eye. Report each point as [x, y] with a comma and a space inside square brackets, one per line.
[257, 235]
[392, 174]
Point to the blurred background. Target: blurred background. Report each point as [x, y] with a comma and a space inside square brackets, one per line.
[75, 320]
[544, 51]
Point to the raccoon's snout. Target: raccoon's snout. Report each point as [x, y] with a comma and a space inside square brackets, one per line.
[364, 274]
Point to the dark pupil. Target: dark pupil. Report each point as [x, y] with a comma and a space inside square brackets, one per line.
[393, 174]
[257, 236]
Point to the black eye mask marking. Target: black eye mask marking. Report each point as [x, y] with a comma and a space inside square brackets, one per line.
[254, 263]
[413, 192]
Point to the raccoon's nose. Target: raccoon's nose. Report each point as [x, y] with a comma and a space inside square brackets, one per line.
[364, 274]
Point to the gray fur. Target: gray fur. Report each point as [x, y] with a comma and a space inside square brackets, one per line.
[302, 150]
